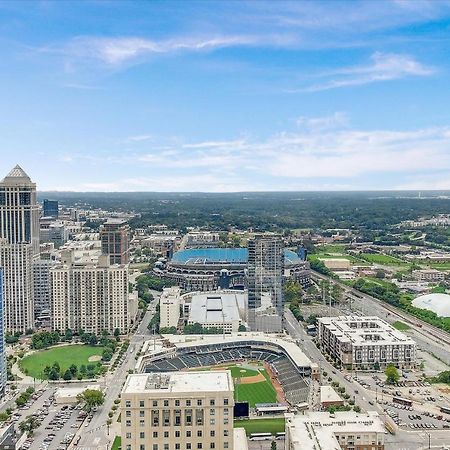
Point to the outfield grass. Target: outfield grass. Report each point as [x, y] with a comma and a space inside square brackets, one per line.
[241, 372]
[117, 443]
[33, 365]
[262, 392]
[401, 326]
[261, 425]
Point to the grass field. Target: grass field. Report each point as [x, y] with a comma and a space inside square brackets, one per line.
[117, 443]
[385, 260]
[65, 355]
[260, 392]
[261, 425]
[401, 326]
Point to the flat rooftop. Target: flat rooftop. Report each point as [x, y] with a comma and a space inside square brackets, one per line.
[179, 382]
[318, 430]
[359, 330]
[328, 394]
[217, 307]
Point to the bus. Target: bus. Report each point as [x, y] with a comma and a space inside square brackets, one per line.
[445, 409]
[402, 401]
[260, 436]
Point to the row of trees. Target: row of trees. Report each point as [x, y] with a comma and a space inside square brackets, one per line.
[89, 371]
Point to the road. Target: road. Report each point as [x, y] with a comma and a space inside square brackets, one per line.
[95, 436]
[406, 440]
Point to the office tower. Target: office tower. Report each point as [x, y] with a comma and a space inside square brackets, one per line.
[265, 276]
[91, 294]
[114, 237]
[178, 410]
[19, 246]
[3, 372]
[50, 209]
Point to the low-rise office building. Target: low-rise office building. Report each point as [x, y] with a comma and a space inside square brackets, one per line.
[339, 431]
[169, 307]
[178, 410]
[365, 342]
[429, 275]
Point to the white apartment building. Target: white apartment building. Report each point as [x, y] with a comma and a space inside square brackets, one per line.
[342, 430]
[41, 288]
[362, 342]
[428, 275]
[89, 293]
[169, 307]
[177, 411]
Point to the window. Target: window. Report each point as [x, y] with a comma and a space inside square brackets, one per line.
[212, 445]
[155, 418]
[177, 415]
[142, 447]
[188, 433]
[225, 421]
[188, 403]
[212, 412]
[155, 434]
[225, 411]
[212, 402]
[177, 434]
[141, 403]
[188, 417]
[155, 446]
[199, 445]
[128, 447]
[166, 418]
[177, 446]
[199, 433]
[177, 402]
[142, 435]
[128, 435]
[188, 446]
[199, 417]
[212, 421]
[225, 401]
[128, 404]
[166, 434]
[166, 402]
[225, 445]
[212, 433]
[142, 423]
[141, 413]
[199, 402]
[225, 432]
[155, 403]
[128, 423]
[127, 413]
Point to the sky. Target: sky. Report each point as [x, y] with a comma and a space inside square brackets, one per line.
[225, 96]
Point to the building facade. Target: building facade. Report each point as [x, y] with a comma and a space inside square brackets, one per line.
[115, 241]
[265, 274]
[3, 371]
[365, 342]
[41, 290]
[90, 295]
[179, 410]
[169, 307]
[19, 246]
[50, 208]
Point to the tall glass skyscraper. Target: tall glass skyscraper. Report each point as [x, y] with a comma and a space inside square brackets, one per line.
[19, 246]
[265, 274]
[50, 208]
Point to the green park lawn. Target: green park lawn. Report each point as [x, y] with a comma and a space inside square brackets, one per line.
[385, 260]
[117, 443]
[33, 364]
[261, 425]
[401, 326]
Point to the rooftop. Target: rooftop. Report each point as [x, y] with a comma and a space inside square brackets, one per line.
[318, 430]
[17, 175]
[179, 382]
[364, 330]
[328, 394]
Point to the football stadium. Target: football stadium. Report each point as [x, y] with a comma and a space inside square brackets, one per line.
[266, 369]
[207, 269]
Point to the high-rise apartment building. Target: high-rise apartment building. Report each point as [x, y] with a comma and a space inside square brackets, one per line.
[178, 410]
[19, 246]
[50, 208]
[91, 294]
[265, 274]
[114, 237]
[41, 289]
[3, 372]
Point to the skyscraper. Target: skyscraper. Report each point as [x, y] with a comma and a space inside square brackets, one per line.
[265, 275]
[19, 246]
[50, 208]
[3, 372]
[114, 237]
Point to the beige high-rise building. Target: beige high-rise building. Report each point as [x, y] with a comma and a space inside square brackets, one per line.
[169, 307]
[177, 411]
[19, 246]
[115, 242]
[89, 293]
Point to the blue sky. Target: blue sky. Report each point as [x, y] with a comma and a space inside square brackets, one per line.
[226, 96]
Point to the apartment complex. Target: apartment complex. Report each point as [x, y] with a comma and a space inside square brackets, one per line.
[342, 430]
[177, 411]
[115, 241]
[41, 289]
[19, 246]
[428, 275]
[169, 307]
[264, 274]
[364, 342]
[91, 294]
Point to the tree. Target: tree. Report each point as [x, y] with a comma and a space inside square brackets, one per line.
[376, 366]
[53, 374]
[67, 375]
[116, 333]
[273, 445]
[29, 425]
[73, 369]
[392, 374]
[91, 398]
[292, 291]
[68, 335]
[242, 328]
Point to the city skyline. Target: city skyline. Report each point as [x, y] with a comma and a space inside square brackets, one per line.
[248, 96]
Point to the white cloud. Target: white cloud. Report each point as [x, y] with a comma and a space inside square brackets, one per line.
[140, 138]
[336, 120]
[382, 67]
